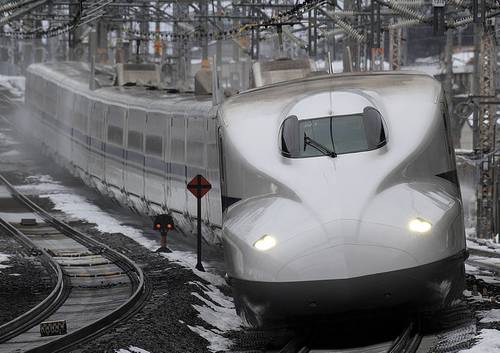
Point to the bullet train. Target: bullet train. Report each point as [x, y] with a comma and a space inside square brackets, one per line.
[343, 197]
[331, 194]
[138, 146]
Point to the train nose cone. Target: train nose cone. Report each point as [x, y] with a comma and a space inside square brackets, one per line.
[341, 261]
[301, 249]
[338, 250]
[314, 265]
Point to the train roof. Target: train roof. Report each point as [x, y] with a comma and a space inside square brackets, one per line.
[75, 76]
[343, 79]
[342, 76]
[380, 85]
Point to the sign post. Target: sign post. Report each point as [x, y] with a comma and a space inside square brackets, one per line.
[199, 186]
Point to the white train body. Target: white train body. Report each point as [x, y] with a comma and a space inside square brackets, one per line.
[141, 147]
[311, 234]
[339, 193]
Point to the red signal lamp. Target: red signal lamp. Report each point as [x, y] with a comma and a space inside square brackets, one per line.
[163, 223]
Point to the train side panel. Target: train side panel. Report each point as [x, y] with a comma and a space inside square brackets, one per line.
[134, 165]
[140, 150]
[156, 167]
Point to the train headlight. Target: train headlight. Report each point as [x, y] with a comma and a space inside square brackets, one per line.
[265, 243]
[419, 225]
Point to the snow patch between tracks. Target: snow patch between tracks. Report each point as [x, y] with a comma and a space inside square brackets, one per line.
[7, 141]
[4, 258]
[79, 207]
[489, 316]
[489, 342]
[11, 153]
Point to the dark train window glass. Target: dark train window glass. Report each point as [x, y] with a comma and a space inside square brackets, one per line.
[115, 135]
[341, 134]
[154, 145]
[135, 140]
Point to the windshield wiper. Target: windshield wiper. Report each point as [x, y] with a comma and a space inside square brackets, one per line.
[315, 144]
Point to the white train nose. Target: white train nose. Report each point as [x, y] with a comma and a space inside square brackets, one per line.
[344, 261]
[315, 255]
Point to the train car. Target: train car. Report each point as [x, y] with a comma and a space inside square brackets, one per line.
[340, 195]
[141, 147]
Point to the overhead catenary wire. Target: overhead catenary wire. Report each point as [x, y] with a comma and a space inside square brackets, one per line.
[348, 28]
[407, 11]
[404, 24]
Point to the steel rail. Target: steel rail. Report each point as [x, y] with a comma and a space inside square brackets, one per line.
[49, 305]
[485, 253]
[140, 285]
[409, 340]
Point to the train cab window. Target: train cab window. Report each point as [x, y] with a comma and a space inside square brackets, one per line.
[154, 145]
[332, 135]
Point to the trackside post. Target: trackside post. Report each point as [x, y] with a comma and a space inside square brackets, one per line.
[199, 186]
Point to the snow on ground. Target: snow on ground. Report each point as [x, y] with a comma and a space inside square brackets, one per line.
[494, 261]
[472, 270]
[488, 316]
[79, 207]
[6, 140]
[434, 65]
[132, 349]
[10, 153]
[217, 342]
[188, 260]
[483, 244]
[217, 311]
[488, 342]
[14, 84]
[4, 258]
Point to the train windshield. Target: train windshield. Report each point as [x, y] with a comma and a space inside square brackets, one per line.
[340, 134]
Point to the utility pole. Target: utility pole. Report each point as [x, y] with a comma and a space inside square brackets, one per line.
[487, 123]
[218, 64]
[144, 26]
[203, 4]
[448, 83]
[475, 83]
[395, 48]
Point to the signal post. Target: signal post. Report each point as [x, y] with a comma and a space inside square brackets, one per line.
[199, 186]
[163, 223]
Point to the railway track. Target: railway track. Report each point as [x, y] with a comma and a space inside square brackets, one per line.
[95, 286]
[486, 259]
[408, 341]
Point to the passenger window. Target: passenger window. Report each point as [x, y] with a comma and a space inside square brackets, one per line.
[154, 145]
[115, 135]
[341, 134]
[135, 140]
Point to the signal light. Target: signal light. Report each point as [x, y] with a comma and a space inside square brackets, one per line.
[163, 223]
